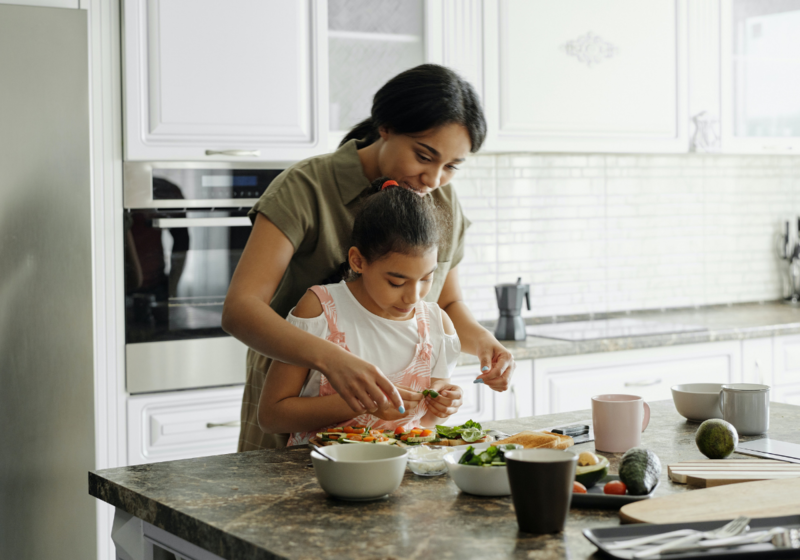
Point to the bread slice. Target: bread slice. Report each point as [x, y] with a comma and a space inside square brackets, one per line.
[539, 440]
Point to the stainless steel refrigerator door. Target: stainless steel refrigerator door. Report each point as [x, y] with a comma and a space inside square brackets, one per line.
[46, 364]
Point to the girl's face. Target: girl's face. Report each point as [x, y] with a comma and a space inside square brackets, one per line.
[423, 161]
[391, 286]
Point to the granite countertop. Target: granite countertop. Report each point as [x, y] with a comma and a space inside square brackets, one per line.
[268, 504]
[724, 322]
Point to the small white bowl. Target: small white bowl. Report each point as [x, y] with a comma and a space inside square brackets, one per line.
[427, 460]
[360, 472]
[481, 481]
[697, 401]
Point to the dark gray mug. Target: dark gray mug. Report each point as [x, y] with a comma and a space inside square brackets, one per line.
[541, 487]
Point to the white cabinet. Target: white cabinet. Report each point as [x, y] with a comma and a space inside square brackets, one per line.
[478, 399]
[757, 360]
[788, 395]
[584, 76]
[760, 62]
[225, 80]
[786, 360]
[517, 402]
[568, 383]
[183, 424]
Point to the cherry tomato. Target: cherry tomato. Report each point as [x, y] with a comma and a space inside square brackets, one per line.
[578, 488]
[398, 430]
[615, 487]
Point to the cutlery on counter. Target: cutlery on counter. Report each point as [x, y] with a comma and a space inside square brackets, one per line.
[319, 451]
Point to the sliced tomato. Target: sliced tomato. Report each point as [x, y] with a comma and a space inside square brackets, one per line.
[404, 437]
[578, 488]
[332, 437]
[615, 487]
[416, 431]
[348, 429]
[358, 430]
[336, 430]
[398, 430]
[426, 433]
[354, 437]
[368, 438]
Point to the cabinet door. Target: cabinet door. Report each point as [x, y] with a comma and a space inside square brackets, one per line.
[477, 403]
[183, 424]
[370, 42]
[221, 80]
[517, 402]
[757, 357]
[569, 383]
[788, 395]
[760, 61]
[586, 76]
[786, 360]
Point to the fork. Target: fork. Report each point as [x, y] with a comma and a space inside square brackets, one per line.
[633, 543]
[732, 529]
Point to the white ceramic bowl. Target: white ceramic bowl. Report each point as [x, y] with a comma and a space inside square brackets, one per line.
[426, 460]
[481, 481]
[697, 401]
[361, 471]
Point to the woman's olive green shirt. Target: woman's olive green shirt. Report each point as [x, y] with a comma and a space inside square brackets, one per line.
[314, 203]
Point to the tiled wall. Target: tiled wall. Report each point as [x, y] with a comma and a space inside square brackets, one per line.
[600, 233]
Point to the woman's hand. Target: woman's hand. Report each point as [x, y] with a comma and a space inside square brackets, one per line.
[362, 385]
[497, 363]
[449, 400]
[411, 401]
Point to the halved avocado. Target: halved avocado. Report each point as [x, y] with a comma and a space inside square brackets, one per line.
[591, 474]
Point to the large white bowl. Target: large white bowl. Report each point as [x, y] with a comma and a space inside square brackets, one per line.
[481, 481]
[697, 401]
[360, 472]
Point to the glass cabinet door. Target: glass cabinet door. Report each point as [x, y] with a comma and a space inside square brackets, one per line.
[369, 42]
[761, 75]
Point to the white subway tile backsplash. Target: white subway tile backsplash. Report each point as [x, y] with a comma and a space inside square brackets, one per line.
[597, 233]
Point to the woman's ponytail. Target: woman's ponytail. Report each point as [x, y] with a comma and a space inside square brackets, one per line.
[365, 130]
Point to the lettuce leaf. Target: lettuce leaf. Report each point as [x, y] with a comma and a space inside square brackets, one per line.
[468, 431]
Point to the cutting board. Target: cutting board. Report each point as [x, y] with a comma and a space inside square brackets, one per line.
[708, 473]
[765, 498]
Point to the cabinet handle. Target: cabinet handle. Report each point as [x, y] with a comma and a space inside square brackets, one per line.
[231, 424]
[235, 153]
[642, 383]
[201, 222]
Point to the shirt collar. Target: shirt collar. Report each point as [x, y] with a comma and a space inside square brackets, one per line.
[348, 171]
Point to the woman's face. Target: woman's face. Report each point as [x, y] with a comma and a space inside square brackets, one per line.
[426, 160]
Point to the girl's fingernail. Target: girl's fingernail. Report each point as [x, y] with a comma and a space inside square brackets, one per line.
[402, 409]
[485, 368]
[478, 381]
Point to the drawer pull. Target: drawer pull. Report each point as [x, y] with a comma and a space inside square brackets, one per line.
[231, 424]
[642, 383]
[234, 153]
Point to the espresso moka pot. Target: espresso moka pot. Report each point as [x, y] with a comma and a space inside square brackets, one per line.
[510, 325]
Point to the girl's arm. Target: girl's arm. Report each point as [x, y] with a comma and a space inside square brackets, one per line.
[248, 317]
[497, 363]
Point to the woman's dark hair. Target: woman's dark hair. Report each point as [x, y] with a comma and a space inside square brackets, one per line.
[393, 220]
[424, 97]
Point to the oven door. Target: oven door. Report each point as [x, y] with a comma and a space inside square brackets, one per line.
[178, 267]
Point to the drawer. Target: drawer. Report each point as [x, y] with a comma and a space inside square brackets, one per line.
[478, 404]
[184, 424]
[569, 383]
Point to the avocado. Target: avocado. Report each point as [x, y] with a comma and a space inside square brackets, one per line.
[640, 470]
[716, 439]
[589, 475]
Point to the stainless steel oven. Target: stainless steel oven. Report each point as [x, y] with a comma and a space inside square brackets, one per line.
[186, 226]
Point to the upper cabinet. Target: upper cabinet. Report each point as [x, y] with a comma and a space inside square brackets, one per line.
[760, 62]
[234, 80]
[586, 75]
[369, 42]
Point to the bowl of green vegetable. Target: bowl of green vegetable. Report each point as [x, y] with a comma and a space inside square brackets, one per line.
[480, 469]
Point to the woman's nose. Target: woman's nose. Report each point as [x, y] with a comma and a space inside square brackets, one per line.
[432, 178]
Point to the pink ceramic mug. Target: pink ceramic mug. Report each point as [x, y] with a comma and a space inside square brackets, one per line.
[619, 421]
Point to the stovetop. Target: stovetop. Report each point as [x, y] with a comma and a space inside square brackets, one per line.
[620, 327]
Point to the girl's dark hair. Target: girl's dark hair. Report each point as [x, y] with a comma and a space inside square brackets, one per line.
[393, 220]
[424, 97]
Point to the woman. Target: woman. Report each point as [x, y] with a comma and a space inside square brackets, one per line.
[424, 123]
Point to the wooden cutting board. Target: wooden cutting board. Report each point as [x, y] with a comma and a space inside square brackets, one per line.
[708, 473]
[766, 498]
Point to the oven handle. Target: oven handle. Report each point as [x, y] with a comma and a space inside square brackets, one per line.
[234, 153]
[201, 222]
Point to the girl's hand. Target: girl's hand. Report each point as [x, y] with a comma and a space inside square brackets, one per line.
[497, 363]
[362, 385]
[411, 400]
[448, 402]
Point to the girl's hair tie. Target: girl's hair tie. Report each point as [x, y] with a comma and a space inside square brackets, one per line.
[389, 183]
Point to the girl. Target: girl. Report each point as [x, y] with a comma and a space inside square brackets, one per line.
[379, 315]
[424, 123]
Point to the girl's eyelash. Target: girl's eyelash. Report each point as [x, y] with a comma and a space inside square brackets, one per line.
[395, 285]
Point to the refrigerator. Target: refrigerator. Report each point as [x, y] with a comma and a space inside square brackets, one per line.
[47, 442]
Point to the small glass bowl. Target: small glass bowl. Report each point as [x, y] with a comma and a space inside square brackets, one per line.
[426, 460]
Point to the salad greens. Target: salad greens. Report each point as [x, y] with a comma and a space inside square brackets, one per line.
[469, 431]
[432, 393]
[490, 457]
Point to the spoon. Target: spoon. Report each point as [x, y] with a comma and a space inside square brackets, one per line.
[321, 452]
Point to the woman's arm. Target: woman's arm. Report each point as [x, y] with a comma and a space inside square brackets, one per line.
[497, 363]
[248, 317]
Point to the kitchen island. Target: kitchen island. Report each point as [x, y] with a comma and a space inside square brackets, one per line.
[268, 504]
